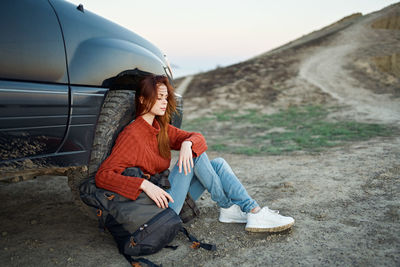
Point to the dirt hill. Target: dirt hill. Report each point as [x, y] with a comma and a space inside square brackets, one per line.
[354, 61]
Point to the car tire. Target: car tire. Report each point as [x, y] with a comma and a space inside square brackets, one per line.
[117, 111]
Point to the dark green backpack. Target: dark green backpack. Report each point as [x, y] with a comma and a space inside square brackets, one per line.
[139, 227]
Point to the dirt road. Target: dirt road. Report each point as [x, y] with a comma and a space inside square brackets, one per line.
[328, 69]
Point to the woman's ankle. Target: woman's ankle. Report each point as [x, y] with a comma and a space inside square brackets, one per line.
[256, 209]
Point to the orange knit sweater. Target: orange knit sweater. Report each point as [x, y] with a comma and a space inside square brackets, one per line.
[137, 146]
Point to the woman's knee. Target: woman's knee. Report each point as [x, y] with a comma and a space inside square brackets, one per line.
[201, 158]
[218, 162]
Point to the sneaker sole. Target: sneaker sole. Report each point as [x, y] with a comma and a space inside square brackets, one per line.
[231, 221]
[269, 230]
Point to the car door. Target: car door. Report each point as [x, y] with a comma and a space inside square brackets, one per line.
[34, 94]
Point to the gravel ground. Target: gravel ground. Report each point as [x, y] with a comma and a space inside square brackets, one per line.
[345, 202]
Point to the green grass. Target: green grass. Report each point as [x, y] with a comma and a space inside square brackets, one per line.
[297, 128]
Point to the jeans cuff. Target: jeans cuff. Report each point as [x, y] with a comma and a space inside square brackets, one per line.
[252, 206]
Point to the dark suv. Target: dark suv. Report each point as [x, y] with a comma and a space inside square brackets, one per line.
[67, 87]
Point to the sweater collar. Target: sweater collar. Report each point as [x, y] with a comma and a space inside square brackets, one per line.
[153, 129]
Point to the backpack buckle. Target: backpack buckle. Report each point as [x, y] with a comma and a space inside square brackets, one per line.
[132, 242]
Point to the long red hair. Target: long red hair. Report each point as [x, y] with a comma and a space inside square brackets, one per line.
[148, 93]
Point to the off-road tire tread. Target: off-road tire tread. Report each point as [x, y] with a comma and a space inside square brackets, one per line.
[117, 111]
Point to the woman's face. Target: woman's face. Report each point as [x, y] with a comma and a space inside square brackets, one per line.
[161, 104]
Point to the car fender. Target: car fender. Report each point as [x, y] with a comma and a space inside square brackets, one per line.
[98, 59]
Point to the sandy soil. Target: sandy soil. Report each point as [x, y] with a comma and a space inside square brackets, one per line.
[345, 200]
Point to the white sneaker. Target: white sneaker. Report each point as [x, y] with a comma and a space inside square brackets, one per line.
[233, 214]
[267, 220]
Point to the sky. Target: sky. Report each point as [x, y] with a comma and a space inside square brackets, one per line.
[201, 35]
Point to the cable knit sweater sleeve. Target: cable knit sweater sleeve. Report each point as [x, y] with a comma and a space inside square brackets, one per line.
[177, 136]
[109, 174]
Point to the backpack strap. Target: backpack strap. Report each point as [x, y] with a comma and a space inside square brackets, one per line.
[101, 216]
[171, 247]
[159, 179]
[136, 262]
[196, 243]
[189, 209]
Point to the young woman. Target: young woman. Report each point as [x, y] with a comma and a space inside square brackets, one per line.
[147, 142]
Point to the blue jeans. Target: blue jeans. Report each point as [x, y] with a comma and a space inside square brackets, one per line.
[217, 177]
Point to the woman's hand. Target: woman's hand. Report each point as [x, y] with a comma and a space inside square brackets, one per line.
[186, 157]
[158, 195]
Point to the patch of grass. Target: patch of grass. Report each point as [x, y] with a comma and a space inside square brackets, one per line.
[219, 147]
[225, 115]
[247, 150]
[300, 128]
[198, 123]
